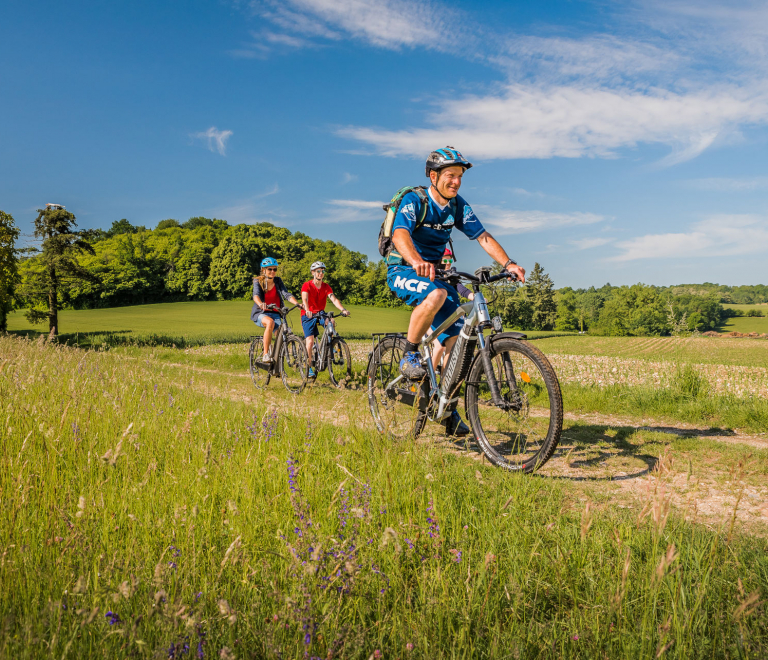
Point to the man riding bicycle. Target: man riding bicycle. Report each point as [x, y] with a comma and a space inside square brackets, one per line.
[314, 295]
[268, 289]
[419, 250]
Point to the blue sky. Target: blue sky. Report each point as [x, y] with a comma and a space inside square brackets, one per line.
[613, 141]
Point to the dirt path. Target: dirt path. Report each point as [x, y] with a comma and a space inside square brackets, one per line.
[603, 456]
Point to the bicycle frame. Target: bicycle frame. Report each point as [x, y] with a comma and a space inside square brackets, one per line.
[477, 319]
[284, 331]
[324, 342]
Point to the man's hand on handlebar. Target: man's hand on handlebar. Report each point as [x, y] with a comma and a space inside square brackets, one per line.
[425, 269]
[518, 272]
[345, 313]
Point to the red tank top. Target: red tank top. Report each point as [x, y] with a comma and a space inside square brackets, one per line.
[271, 297]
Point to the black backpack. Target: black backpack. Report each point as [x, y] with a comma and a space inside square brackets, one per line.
[386, 246]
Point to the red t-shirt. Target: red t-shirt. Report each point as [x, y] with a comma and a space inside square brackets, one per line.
[316, 298]
[271, 297]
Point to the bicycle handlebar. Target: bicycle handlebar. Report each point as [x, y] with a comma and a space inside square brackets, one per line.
[280, 310]
[485, 278]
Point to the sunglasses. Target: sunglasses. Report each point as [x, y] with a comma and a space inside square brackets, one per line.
[271, 270]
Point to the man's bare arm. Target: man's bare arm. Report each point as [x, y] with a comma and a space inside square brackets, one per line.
[497, 253]
[404, 245]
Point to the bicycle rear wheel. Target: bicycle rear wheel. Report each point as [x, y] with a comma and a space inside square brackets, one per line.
[524, 434]
[261, 372]
[294, 364]
[339, 362]
[392, 399]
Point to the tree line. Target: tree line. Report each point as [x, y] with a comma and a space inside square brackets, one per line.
[209, 259]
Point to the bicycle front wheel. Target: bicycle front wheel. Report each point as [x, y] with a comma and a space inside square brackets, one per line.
[523, 434]
[391, 398]
[339, 362]
[294, 365]
[261, 372]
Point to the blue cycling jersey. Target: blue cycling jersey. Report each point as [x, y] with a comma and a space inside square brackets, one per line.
[432, 237]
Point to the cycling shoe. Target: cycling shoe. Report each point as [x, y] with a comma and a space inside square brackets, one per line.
[455, 426]
[411, 367]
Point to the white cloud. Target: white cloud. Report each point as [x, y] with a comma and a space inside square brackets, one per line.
[590, 243]
[215, 139]
[273, 190]
[534, 121]
[352, 210]
[715, 237]
[502, 221]
[348, 178]
[391, 24]
[600, 57]
[729, 185]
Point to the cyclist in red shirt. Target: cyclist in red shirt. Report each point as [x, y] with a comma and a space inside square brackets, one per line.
[314, 295]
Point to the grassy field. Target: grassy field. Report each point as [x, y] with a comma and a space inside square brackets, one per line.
[155, 508]
[195, 323]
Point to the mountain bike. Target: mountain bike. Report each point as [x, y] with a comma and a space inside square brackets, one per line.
[331, 351]
[289, 356]
[512, 395]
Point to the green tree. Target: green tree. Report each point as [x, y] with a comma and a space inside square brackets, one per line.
[9, 267]
[634, 311]
[57, 266]
[123, 227]
[541, 294]
[567, 311]
[167, 224]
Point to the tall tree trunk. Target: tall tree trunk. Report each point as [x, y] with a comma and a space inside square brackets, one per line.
[53, 301]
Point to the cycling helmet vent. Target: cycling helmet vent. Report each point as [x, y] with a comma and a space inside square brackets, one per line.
[445, 157]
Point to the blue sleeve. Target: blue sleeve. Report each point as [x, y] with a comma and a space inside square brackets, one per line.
[468, 224]
[409, 211]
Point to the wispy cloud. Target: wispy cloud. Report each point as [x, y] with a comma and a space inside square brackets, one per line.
[215, 139]
[530, 121]
[273, 190]
[717, 236]
[391, 24]
[352, 210]
[348, 178]
[720, 184]
[502, 221]
[590, 243]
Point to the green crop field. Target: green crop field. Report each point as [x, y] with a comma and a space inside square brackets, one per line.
[200, 323]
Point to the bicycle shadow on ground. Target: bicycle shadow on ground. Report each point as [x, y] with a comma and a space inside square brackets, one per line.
[588, 447]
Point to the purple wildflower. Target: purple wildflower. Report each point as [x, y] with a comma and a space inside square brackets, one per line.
[113, 618]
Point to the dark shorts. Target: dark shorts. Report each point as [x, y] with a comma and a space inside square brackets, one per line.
[310, 325]
[413, 290]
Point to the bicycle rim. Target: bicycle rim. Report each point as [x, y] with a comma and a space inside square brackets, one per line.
[390, 414]
[524, 436]
[339, 363]
[260, 372]
[293, 365]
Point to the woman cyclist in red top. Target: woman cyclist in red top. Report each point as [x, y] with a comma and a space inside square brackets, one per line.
[268, 289]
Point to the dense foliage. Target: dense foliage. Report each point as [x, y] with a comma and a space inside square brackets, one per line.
[207, 259]
[9, 271]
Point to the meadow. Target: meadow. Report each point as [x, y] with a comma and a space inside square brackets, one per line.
[156, 505]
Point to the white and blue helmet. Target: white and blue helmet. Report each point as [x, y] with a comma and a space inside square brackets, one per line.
[315, 265]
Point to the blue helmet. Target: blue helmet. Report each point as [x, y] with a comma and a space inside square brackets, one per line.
[445, 157]
[269, 261]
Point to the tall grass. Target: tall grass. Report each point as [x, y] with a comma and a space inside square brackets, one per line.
[144, 517]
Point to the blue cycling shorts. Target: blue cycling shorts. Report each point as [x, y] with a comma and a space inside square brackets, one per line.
[309, 325]
[413, 290]
[275, 317]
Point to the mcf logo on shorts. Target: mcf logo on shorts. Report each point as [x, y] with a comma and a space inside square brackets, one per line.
[417, 286]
